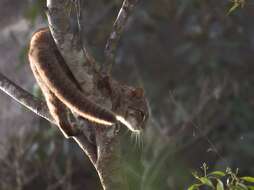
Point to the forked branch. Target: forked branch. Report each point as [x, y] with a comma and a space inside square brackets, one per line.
[105, 153]
[25, 98]
[118, 27]
[40, 108]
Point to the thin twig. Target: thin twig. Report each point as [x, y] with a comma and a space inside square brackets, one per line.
[113, 40]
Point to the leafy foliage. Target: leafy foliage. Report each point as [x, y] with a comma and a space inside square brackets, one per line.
[196, 64]
[236, 4]
[219, 180]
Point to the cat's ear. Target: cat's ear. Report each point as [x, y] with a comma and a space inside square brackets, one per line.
[138, 92]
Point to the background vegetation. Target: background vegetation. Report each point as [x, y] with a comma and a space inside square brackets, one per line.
[195, 62]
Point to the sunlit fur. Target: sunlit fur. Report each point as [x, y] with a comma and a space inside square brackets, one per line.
[127, 124]
[138, 139]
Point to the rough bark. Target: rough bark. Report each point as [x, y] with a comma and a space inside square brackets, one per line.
[105, 152]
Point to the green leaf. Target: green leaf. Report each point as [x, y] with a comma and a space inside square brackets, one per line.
[219, 185]
[195, 174]
[206, 181]
[217, 173]
[242, 186]
[234, 7]
[236, 4]
[194, 187]
[248, 179]
[250, 187]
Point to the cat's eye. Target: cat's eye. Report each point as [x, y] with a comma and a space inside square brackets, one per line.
[142, 115]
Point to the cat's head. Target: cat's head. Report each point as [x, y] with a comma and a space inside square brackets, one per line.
[136, 109]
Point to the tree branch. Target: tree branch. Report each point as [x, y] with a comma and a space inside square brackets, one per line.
[118, 27]
[25, 98]
[40, 108]
[108, 160]
[69, 44]
[105, 153]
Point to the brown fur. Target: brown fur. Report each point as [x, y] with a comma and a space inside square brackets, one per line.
[59, 86]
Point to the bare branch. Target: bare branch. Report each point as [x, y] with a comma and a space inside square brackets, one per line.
[105, 149]
[118, 27]
[68, 42]
[40, 108]
[105, 155]
[87, 147]
[25, 98]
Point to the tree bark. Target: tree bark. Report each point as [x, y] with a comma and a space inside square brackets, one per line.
[105, 151]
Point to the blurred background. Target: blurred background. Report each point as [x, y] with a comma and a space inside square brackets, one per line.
[195, 63]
